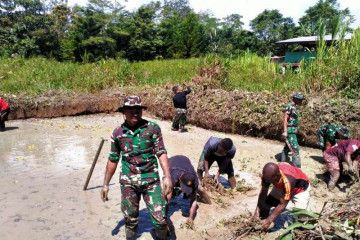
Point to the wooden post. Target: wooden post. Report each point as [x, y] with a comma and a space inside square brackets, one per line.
[94, 163]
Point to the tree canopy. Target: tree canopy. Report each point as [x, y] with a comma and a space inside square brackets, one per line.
[171, 29]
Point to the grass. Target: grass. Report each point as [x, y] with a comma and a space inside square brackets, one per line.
[336, 67]
[37, 75]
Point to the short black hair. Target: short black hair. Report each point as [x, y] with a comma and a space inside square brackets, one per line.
[226, 143]
[175, 88]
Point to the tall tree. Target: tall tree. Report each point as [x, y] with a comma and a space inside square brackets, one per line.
[145, 41]
[25, 29]
[190, 40]
[270, 26]
[327, 11]
[95, 32]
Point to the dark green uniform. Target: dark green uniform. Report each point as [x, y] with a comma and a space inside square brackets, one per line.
[139, 172]
[330, 133]
[292, 130]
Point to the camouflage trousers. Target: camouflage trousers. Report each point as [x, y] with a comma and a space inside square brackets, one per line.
[179, 119]
[293, 142]
[155, 203]
[295, 149]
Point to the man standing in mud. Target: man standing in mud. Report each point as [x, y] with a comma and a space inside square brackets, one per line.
[4, 112]
[179, 101]
[330, 134]
[347, 151]
[290, 125]
[221, 151]
[183, 176]
[289, 182]
[137, 142]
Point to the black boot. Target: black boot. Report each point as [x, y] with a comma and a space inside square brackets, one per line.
[296, 160]
[161, 233]
[284, 157]
[130, 234]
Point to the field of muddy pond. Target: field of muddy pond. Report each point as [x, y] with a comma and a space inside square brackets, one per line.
[44, 164]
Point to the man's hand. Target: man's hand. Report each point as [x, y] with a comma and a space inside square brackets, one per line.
[104, 193]
[351, 169]
[189, 223]
[167, 185]
[216, 178]
[266, 224]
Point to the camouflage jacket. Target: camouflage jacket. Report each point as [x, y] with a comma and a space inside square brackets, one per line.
[293, 120]
[137, 151]
[327, 133]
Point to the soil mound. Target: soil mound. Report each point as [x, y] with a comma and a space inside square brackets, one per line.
[245, 225]
[213, 187]
[247, 113]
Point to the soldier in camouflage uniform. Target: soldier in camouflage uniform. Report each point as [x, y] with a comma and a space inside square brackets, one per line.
[179, 101]
[290, 124]
[329, 135]
[137, 142]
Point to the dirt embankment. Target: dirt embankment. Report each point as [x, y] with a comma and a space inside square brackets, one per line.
[245, 113]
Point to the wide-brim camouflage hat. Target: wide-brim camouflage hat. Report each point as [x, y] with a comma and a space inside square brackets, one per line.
[131, 102]
[299, 95]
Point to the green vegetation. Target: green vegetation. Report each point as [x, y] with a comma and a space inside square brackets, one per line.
[337, 69]
[158, 30]
[38, 75]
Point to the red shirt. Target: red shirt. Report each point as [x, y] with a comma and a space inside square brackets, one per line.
[3, 105]
[292, 181]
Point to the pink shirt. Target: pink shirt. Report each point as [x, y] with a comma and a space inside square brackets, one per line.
[341, 148]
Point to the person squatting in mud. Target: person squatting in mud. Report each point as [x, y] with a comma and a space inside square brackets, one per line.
[290, 183]
[137, 142]
[179, 100]
[222, 151]
[345, 151]
[330, 134]
[290, 125]
[4, 112]
[183, 176]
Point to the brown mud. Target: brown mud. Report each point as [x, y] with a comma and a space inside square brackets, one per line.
[45, 163]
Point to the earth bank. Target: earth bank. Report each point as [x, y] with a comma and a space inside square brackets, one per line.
[239, 112]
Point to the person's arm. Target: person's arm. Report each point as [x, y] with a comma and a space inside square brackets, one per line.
[222, 168]
[204, 195]
[168, 196]
[285, 123]
[356, 168]
[276, 213]
[206, 168]
[109, 172]
[160, 151]
[164, 163]
[349, 162]
[193, 208]
[111, 165]
[188, 90]
[261, 200]
[321, 138]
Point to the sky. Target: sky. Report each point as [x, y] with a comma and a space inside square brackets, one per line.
[249, 9]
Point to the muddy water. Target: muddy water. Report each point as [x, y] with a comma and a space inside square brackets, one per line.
[44, 164]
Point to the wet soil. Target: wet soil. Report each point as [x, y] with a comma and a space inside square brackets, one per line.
[44, 164]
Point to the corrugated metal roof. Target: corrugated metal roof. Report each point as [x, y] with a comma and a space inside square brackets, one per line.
[311, 39]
